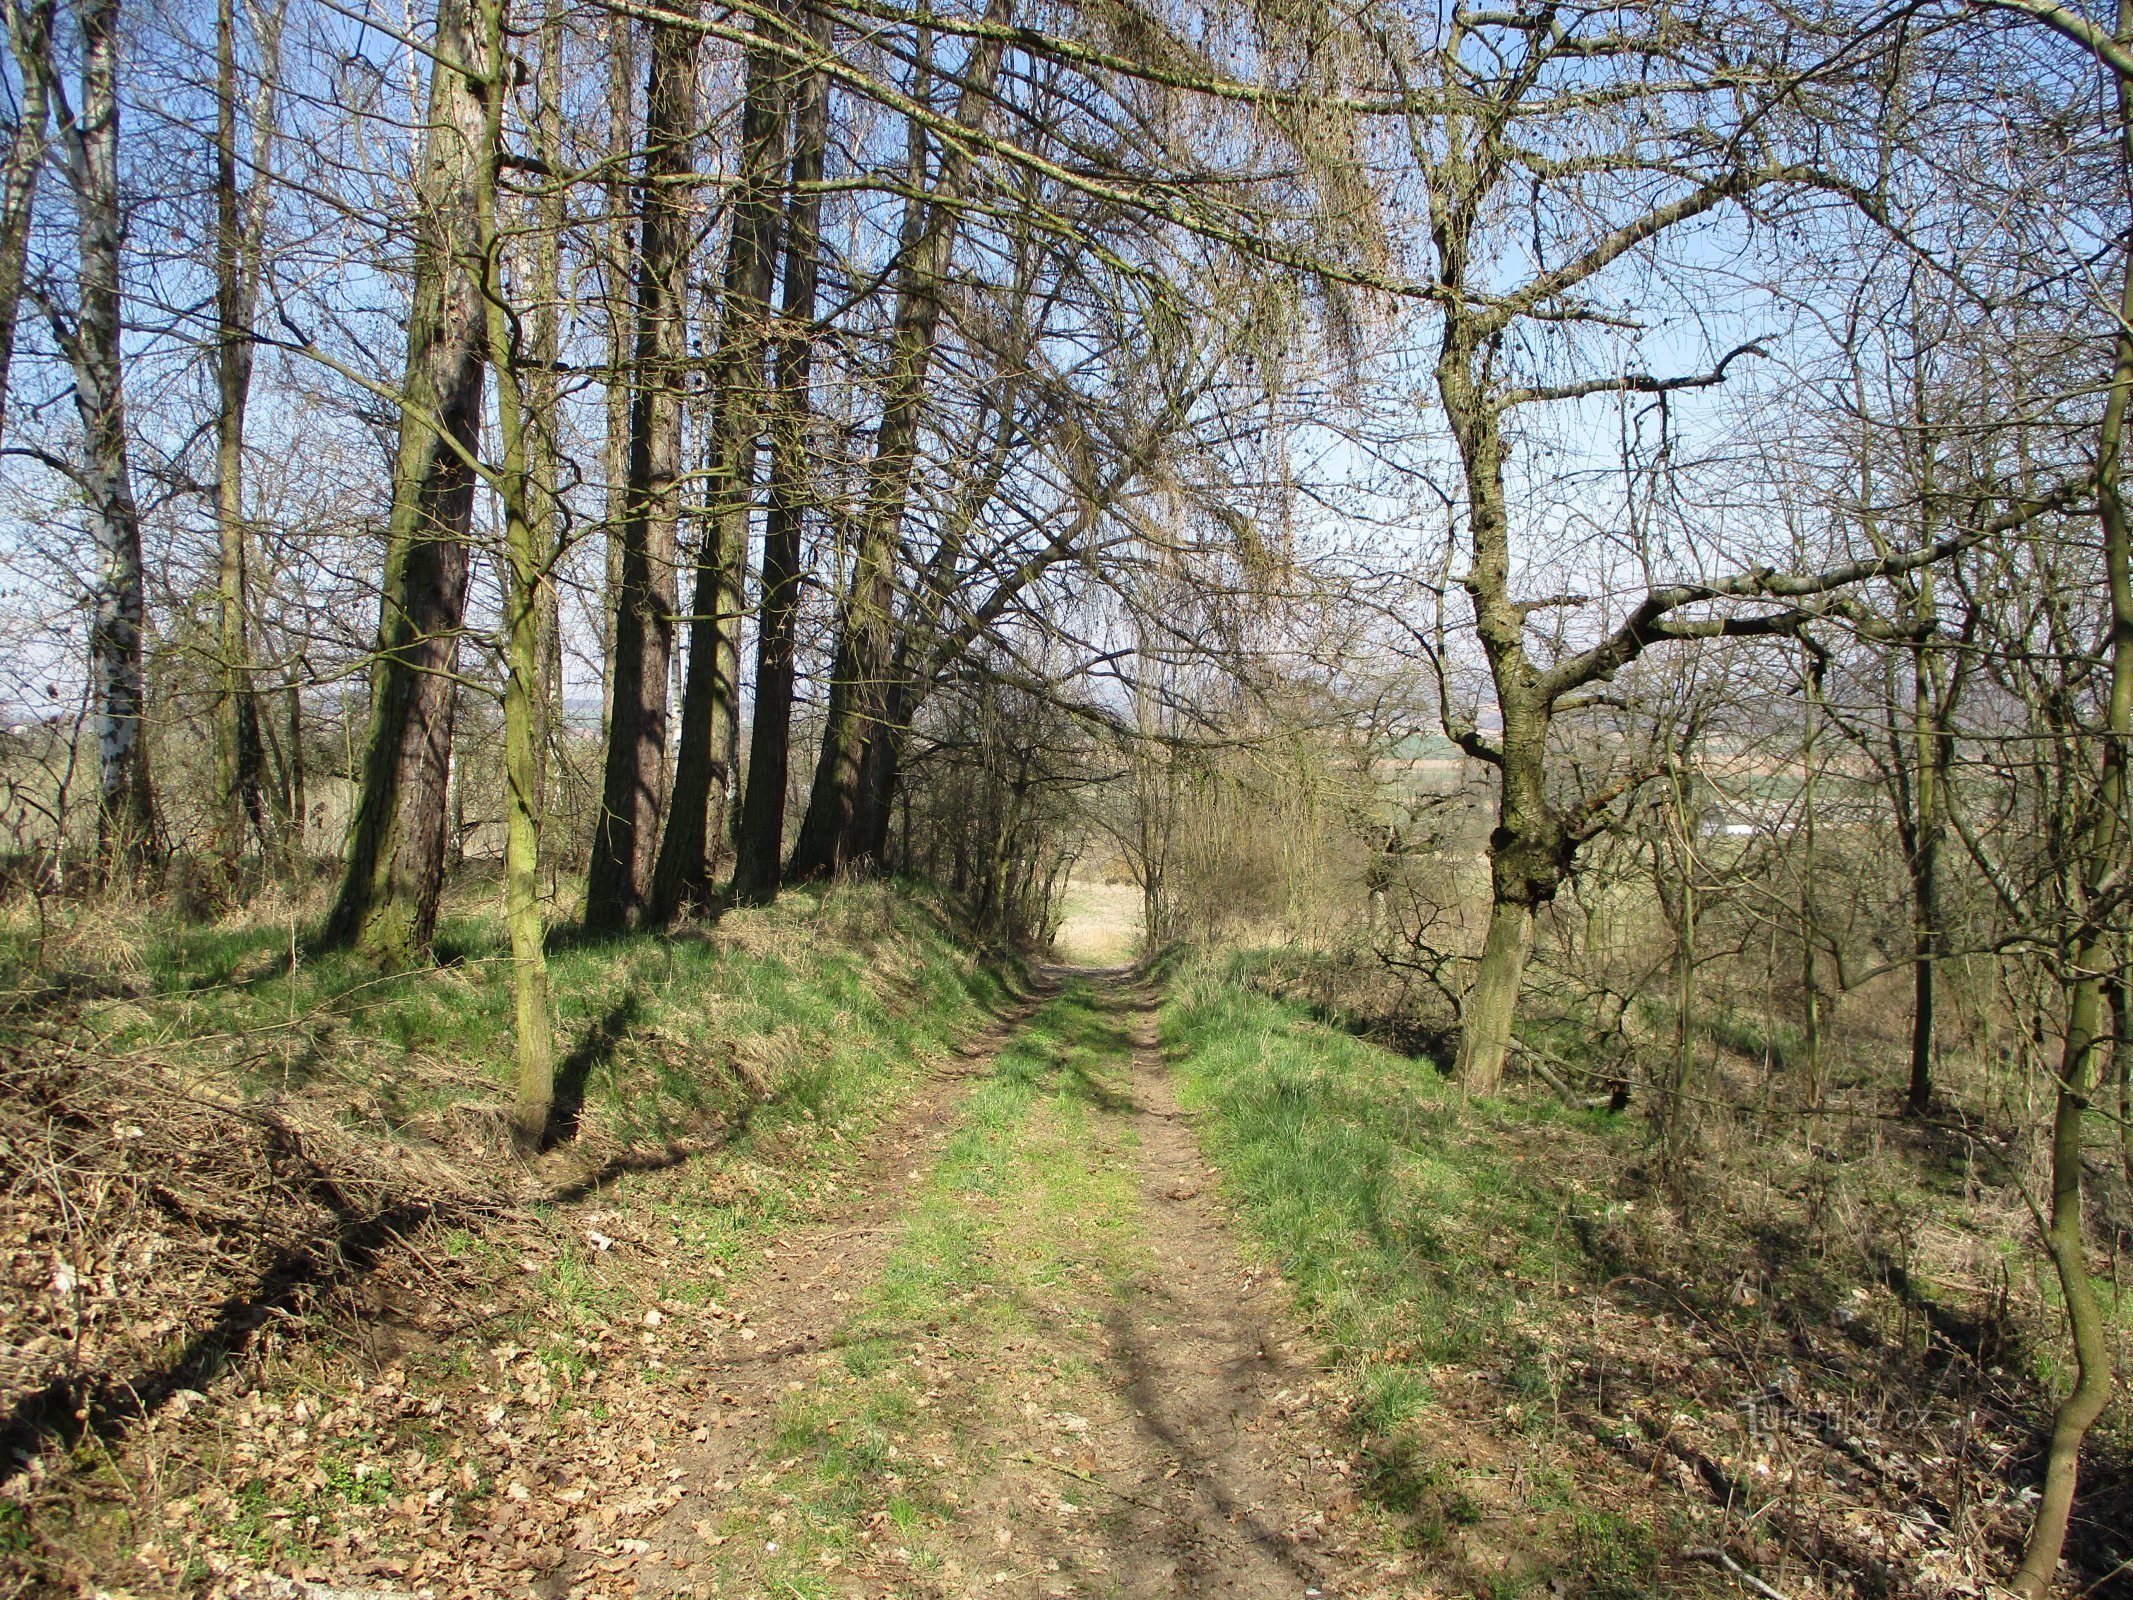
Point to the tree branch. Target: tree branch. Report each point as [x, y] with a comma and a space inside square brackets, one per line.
[1630, 382]
[1648, 624]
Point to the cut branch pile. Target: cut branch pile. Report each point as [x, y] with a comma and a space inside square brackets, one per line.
[151, 1224]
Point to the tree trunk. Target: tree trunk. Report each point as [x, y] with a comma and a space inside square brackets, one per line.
[1492, 999]
[760, 842]
[859, 677]
[2122, 1057]
[855, 681]
[291, 786]
[29, 36]
[867, 841]
[239, 750]
[1810, 953]
[544, 404]
[2065, 1242]
[1675, 1104]
[617, 278]
[525, 564]
[1925, 971]
[2093, 962]
[394, 871]
[710, 701]
[1528, 851]
[634, 780]
[94, 348]
[1931, 760]
[1529, 848]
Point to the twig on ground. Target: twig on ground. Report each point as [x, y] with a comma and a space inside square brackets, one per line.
[1090, 1479]
[1542, 1065]
[1718, 1558]
[299, 1589]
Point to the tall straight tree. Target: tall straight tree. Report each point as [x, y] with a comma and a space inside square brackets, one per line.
[617, 277]
[526, 559]
[861, 670]
[240, 752]
[759, 845]
[710, 702]
[93, 344]
[634, 778]
[394, 872]
[544, 390]
[1912, 741]
[29, 37]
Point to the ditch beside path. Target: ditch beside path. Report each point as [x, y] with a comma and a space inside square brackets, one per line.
[1030, 1359]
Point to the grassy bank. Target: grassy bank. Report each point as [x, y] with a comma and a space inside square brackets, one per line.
[646, 1023]
[289, 1178]
[1565, 1374]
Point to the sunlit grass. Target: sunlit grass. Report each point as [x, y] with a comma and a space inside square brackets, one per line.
[826, 995]
[1414, 1227]
[1378, 1188]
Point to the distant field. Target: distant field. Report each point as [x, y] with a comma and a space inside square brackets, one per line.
[1102, 926]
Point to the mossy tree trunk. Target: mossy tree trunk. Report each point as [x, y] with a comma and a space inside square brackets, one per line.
[526, 559]
[2122, 1057]
[2093, 959]
[393, 875]
[544, 397]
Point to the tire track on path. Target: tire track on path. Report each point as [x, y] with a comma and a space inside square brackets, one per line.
[1031, 1359]
[1215, 1445]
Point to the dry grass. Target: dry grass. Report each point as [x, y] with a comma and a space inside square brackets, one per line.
[1101, 924]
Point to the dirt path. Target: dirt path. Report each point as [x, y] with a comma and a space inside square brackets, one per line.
[1031, 1359]
[1210, 1361]
[776, 1331]
[1023, 1352]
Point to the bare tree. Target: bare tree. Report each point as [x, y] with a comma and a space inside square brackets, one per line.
[240, 219]
[710, 705]
[29, 37]
[394, 871]
[93, 342]
[634, 782]
[527, 557]
[759, 845]
[859, 678]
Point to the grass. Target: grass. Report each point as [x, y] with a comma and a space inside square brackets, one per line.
[660, 1035]
[1029, 1210]
[727, 1077]
[1388, 1202]
[1543, 1329]
[1424, 1240]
